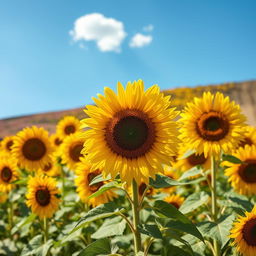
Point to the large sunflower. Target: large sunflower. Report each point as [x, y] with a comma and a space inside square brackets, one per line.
[131, 133]
[249, 137]
[243, 176]
[85, 174]
[244, 234]
[32, 148]
[8, 174]
[6, 144]
[42, 196]
[212, 124]
[67, 126]
[71, 150]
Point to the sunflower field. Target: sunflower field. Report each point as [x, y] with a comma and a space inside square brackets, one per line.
[134, 177]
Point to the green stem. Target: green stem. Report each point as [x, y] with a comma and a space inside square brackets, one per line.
[136, 217]
[214, 201]
[10, 217]
[63, 184]
[45, 230]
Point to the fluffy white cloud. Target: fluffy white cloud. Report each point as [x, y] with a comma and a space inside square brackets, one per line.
[140, 40]
[107, 32]
[148, 28]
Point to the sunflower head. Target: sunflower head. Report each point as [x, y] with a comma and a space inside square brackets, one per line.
[175, 200]
[249, 137]
[244, 234]
[243, 176]
[56, 140]
[42, 196]
[32, 148]
[51, 169]
[8, 174]
[131, 133]
[85, 174]
[212, 124]
[67, 126]
[6, 144]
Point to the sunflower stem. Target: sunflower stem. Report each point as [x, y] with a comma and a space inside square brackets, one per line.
[45, 230]
[63, 184]
[136, 217]
[10, 217]
[214, 201]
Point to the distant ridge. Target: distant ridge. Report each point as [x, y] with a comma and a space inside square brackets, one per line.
[243, 93]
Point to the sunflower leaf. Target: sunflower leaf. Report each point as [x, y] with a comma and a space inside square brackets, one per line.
[232, 159]
[150, 230]
[180, 222]
[191, 172]
[187, 154]
[99, 178]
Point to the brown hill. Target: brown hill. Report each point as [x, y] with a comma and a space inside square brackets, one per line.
[243, 93]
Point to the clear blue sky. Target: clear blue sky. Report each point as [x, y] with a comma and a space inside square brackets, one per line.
[194, 42]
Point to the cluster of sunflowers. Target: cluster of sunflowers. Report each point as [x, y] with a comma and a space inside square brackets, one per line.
[134, 177]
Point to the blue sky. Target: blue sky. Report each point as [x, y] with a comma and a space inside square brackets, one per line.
[43, 68]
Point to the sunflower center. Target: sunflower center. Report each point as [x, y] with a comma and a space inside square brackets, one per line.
[75, 152]
[33, 149]
[130, 133]
[247, 171]
[175, 204]
[212, 126]
[47, 167]
[246, 141]
[195, 159]
[43, 196]
[57, 141]
[6, 174]
[69, 129]
[95, 187]
[9, 145]
[249, 232]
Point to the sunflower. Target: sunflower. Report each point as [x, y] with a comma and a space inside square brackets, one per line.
[32, 148]
[3, 197]
[71, 150]
[243, 176]
[212, 124]
[249, 137]
[42, 196]
[56, 140]
[51, 169]
[175, 200]
[67, 126]
[85, 174]
[131, 133]
[6, 144]
[8, 174]
[244, 234]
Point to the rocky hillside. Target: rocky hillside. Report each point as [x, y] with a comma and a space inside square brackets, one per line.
[243, 93]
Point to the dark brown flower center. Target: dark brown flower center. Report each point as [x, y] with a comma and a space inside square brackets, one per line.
[246, 141]
[47, 167]
[43, 196]
[57, 141]
[212, 126]
[75, 151]
[6, 174]
[142, 188]
[34, 149]
[130, 133]
[196, 159]
[247, 171]
[175, 204]
[69, 129]
[249, 232]
[9, 145]
[95, 187]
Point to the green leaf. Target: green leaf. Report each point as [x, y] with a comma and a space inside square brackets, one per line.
[111, 227]
[162, 181]
[151, 230]
[99, 247]
[99, 178]
[99, 212]
[194, 201]
[102, 189]
[191, 172]
[23, 222]
[172, 212]
[23, 181]
[187, 154]
[231, 159]
[217, 230]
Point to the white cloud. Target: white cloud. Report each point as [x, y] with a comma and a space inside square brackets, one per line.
[140, 40]
[148, 28]
[107, 32]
